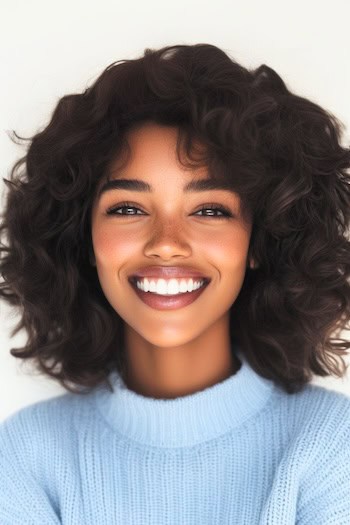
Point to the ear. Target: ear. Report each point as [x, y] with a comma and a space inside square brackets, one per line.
[252, 264]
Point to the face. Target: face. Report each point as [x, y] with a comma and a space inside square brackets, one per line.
[168, 227]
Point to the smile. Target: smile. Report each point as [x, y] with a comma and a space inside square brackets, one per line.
[169, 301]
[170, 286]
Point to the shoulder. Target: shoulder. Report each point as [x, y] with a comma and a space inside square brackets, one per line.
[316, 405]
[34, 441]
[43, 421]
[320, 453]
[315, 423]
[311, 429]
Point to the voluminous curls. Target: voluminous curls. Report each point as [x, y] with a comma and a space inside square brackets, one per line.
[280, 152]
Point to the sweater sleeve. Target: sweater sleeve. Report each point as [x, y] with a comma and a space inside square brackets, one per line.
[23, 501]
[325, 493]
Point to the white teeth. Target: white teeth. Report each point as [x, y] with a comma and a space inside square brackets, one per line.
[170, 287]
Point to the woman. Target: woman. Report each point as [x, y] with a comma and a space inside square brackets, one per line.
[177, 249]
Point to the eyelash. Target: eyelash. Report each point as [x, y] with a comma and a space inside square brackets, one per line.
[226, 212]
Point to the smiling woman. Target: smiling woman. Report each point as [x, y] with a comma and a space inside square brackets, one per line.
[162, 241]
[175, 241]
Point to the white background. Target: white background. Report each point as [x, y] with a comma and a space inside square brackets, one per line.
[49, 49]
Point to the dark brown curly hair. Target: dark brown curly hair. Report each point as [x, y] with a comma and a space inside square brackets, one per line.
[280, 152]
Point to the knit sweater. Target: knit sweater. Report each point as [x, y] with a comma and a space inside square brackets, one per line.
[239, 452]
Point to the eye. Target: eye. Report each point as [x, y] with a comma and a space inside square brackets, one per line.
[212, 208]
[121, 206]
[216, 208]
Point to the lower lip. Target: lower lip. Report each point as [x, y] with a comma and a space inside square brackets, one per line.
[168, 302]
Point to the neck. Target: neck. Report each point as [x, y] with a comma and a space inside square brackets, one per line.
[168, 373]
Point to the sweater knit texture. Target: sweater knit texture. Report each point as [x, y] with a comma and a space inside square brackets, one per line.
[242, 451]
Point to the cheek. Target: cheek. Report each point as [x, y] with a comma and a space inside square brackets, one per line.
[109, 246]
[229, 249]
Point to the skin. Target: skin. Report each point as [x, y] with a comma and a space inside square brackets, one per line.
[176, 352]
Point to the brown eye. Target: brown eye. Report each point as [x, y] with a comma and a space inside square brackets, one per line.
[215, 208]
[215, 211]
[122, 206]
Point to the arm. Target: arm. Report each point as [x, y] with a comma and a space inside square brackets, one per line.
[325, 493]
[23, 501]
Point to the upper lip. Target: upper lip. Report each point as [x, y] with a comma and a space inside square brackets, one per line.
[168, 272]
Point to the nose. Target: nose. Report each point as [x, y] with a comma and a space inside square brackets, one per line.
[167, 241]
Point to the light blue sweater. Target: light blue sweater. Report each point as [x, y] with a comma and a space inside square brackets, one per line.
[239, 452]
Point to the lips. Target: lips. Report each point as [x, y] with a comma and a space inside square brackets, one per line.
[169, 302]
[168, 272]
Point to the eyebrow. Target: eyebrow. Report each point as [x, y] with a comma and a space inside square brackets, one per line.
[140, 185]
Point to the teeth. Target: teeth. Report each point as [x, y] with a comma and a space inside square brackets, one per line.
[170, 287]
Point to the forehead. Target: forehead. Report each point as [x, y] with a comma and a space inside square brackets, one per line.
[148, 153]
[153, 144]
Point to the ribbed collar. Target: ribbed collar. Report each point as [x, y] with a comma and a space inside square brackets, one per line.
[187, 420]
